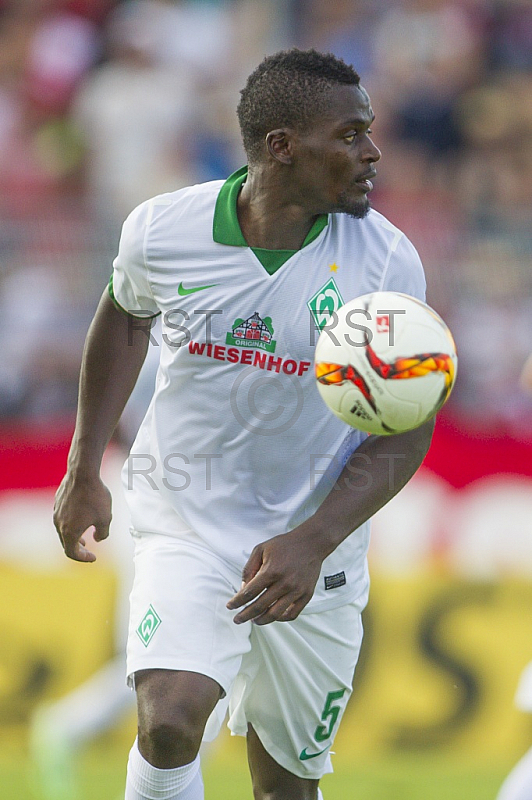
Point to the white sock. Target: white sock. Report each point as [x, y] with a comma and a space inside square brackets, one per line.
[320, 796]
[145, 782]
[518, 784]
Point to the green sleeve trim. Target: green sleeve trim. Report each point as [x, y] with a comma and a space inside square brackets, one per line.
[125, 311]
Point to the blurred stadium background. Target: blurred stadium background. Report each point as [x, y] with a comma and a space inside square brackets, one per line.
[104, 103]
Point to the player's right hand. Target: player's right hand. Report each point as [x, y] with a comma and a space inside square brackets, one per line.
[81, 504]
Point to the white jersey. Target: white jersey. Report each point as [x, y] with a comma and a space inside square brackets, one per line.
[237, 445]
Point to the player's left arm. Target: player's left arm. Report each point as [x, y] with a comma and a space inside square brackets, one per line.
[281, 574]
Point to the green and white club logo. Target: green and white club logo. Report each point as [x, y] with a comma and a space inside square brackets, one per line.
[148, 626]
[325, 303]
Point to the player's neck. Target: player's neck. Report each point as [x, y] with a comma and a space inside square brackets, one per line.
[268, 217]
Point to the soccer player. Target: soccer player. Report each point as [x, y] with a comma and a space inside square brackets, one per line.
[249, 500]
[518, 783]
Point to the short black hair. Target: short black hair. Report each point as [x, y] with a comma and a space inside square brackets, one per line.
[288, 88]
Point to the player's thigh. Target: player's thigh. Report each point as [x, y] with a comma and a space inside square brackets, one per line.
[178, 616]
[294, 685]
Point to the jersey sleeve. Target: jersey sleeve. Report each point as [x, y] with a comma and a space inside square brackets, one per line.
[405, 272]
[129, 286]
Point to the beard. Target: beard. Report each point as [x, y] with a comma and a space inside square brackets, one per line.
[358, 209]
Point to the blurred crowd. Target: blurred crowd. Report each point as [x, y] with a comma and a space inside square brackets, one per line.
[104, 103]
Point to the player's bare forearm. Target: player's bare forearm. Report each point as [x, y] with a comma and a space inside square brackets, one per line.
[375, 472]
[281, 574]
[112, 359]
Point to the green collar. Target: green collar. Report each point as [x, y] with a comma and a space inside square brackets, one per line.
[226, 228]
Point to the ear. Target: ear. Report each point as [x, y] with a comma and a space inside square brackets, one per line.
[280, 145]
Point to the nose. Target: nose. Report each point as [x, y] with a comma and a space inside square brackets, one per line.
[372, 152]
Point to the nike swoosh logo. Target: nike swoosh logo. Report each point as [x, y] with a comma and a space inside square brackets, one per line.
[182, 291]
[304, 756]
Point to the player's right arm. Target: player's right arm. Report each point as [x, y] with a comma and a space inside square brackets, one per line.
[113, 356]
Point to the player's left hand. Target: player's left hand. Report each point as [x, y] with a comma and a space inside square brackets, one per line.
[278, 580]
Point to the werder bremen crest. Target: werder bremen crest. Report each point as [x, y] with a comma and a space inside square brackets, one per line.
[252, 332]
[148, 626]
[325, 303]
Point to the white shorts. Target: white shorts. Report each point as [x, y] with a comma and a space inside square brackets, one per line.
[290, 680]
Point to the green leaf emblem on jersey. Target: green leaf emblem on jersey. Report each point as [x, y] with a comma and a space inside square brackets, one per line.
[148, 626]
[252, 332]
[325, 303]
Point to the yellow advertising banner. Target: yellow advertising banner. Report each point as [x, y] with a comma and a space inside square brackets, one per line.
[438, 670]
[56, 629]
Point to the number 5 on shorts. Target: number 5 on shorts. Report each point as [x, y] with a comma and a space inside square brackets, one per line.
[330, 715]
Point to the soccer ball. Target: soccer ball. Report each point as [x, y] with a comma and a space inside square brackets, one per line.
[385, 363]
